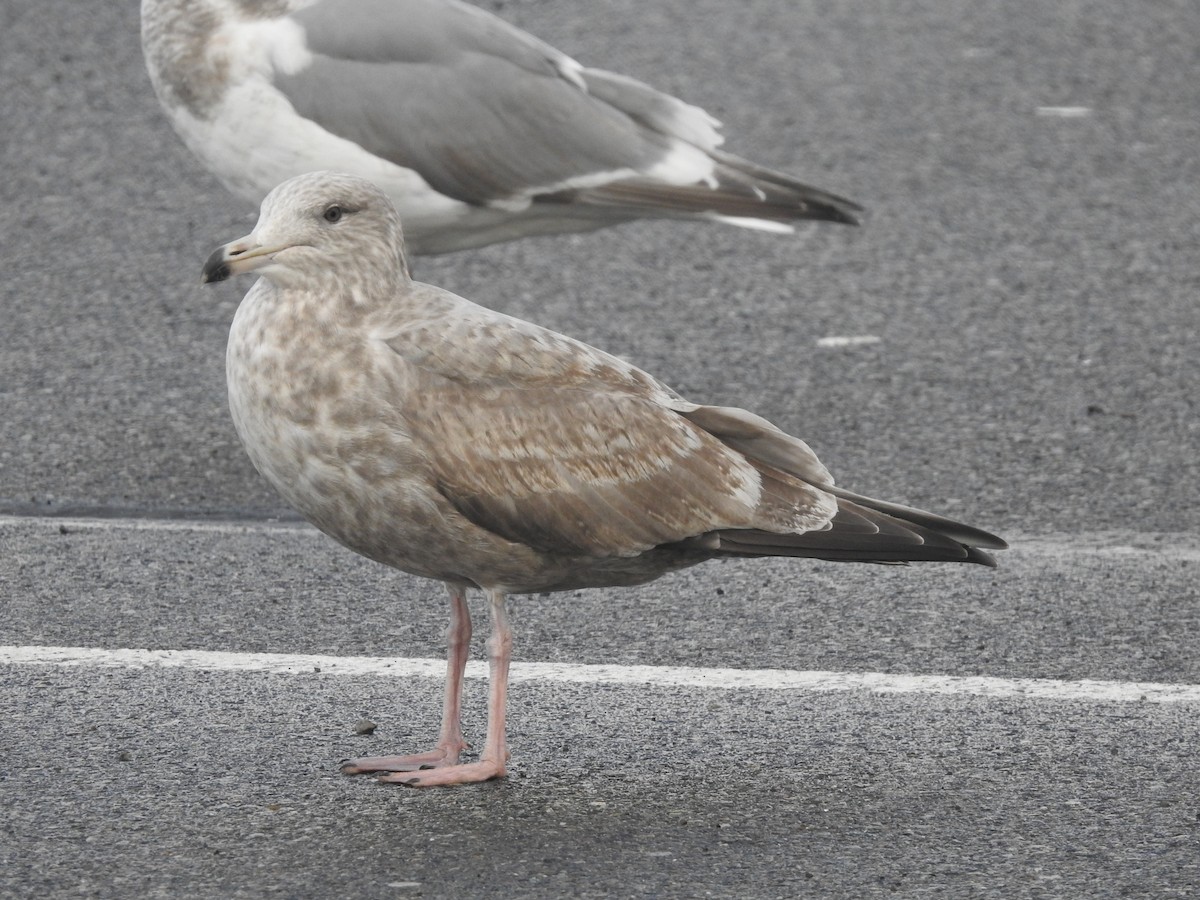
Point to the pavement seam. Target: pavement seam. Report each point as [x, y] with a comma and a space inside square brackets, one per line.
[1175, 545]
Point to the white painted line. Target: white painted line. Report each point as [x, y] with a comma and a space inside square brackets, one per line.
[661, 676]
[1064, 112]
[848, 340]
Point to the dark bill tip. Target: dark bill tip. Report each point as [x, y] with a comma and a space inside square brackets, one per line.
[216, 267]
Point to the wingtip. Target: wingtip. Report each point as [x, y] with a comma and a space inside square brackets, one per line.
[975, 555]
[844, 217]
[838, 210]
[987, 540]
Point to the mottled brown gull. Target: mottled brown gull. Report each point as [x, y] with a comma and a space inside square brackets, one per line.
[478, 131]
[460, 444]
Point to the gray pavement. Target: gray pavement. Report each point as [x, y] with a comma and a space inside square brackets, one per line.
[1032, 280]
[166, 783]
[203, 785]
[1123, 607]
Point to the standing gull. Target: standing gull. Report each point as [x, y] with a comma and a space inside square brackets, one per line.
[478, 131]
[457, 443]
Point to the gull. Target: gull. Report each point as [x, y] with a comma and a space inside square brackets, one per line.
[456, 443]
[478, 131]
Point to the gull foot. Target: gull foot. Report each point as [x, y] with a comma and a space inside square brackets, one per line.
[466, 773]
[439, 757]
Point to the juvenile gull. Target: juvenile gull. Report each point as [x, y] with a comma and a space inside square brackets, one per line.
[457, 443]
[478, 131]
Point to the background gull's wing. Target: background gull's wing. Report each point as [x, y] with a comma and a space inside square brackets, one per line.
[482, 110]
[488, 114]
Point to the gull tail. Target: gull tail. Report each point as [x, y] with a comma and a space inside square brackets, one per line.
[735, 190]
[741, 193]
[862, 529]
[871, 531]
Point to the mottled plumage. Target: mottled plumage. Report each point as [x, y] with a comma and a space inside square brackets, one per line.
[478, 131]
[457, 443]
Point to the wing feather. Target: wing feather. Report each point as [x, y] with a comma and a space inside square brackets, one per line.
[482, 110]
[551, 443]
[597, 474]
[490, 115]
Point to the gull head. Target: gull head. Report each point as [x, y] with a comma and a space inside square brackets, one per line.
[319, 228]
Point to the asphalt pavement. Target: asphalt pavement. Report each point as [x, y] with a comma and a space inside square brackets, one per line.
[1028, 265]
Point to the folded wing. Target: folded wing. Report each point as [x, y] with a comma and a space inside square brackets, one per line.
[489, 115]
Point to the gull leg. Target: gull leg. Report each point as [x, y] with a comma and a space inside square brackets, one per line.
[495, 749]
[450, 740]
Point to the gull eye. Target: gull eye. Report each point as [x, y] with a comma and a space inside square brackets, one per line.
[333, 214]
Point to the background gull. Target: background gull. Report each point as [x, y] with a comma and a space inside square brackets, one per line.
[457, 443]
[478, 131]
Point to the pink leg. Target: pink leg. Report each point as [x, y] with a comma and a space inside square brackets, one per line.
[450, 740]
[495, 749]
